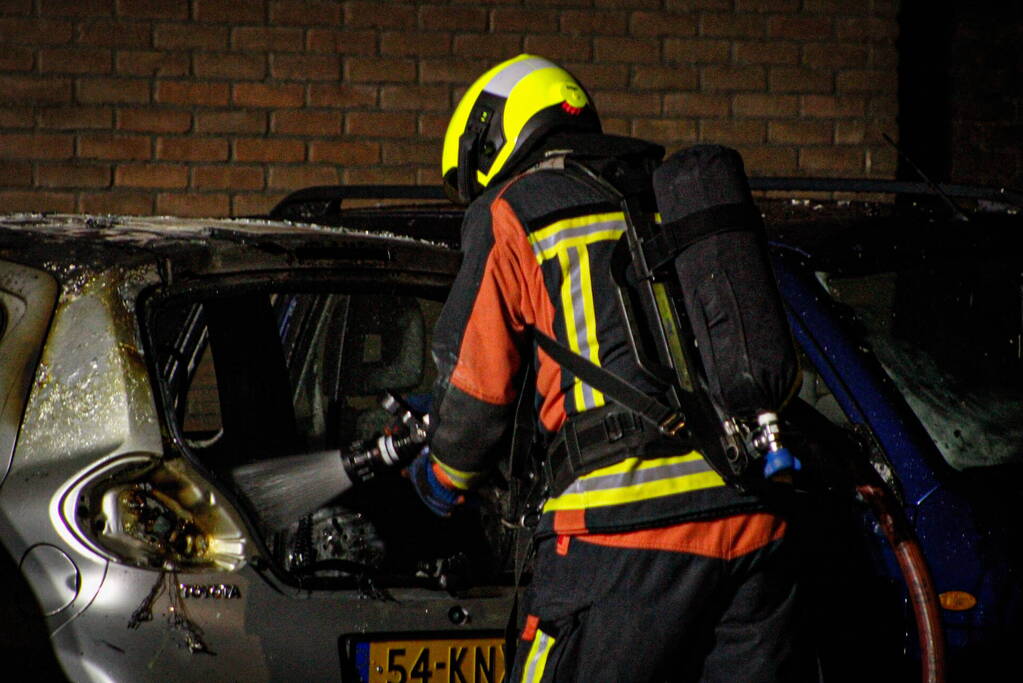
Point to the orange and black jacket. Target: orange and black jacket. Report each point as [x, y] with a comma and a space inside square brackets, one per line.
[536, 256]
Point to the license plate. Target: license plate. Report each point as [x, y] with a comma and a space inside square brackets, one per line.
[430, 660]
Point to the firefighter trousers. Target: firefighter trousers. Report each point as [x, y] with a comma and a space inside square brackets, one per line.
[641, 606]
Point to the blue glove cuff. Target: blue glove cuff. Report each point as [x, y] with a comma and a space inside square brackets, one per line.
[439, 498]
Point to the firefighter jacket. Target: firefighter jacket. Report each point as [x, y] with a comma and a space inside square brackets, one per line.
[536, 254]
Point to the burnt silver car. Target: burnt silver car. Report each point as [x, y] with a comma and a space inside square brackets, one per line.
[143, 361]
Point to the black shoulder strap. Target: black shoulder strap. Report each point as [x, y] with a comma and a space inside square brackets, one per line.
[667, 420]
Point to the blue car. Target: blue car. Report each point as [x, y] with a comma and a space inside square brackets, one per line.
[905, 302]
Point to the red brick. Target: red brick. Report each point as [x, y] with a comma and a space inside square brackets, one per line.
[75, 118]
[22, 7]
[379, 70]
[631, 50]
[344, 42]
[619, 4]
[554, 46]
[268, 149]
[268, 95]
[151, 175]
[697, 104]
[376, 15]
[815, 132]
[190, 37]
[781, 6]
[460, 71]
[662, 24]
[151, 63]
[867, 29]
[773, 160]
[413, 44]
[616, 126]
[832, 106]
[665, 78]
[36, 201]
[302, 67]
[497, 47]
[193, 205]
[113, 146]
[304, 175]
[765, 106]
[345, 152]
[113, 33]
[26, 31]
[433, 126]
[17, 117]
[153, 9]
[230, 11]
[35, 146]
[417, 153]
[381, 124]
[866, 80]
[733, 78]
[668, 132]
[154, 120]
[729, 132]
[77, 8]
[305, 13]
[122, 203]
[415, 98]
[192, 93]
[800, 27]
[852, 132]
[301, 122]
[697, 51]
[230, 65]
[458, 18]
[25, 90]
[601, 76]
[15, 174]
[797, 79]
[260, 38]
[113, 90]
[75, 60]
[228, 177]
[835, 160]
[590, 22]
[342, 96]
[73, 175]
[766, 52]
[254, 204]
[880, 161]
[192, 149]
[623, 103]
[523, 20]
[16, 58]
[378, 175]
[835, 55]
[732, 25]
[233, 121]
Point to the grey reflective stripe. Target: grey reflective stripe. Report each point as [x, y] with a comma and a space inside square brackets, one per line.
[503, 81]
[579, 316]
[537, 658]
[541, 246]
[633, 477]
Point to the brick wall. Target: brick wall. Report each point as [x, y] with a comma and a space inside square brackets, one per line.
[221, 107]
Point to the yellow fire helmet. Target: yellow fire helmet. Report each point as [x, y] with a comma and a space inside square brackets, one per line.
[502, 117]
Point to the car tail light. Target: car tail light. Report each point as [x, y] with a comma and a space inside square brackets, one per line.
[146, 512]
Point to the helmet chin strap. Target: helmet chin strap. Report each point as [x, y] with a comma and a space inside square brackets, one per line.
[468, 146]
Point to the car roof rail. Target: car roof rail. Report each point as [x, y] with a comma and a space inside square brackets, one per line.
[880, 186]
[321, 200]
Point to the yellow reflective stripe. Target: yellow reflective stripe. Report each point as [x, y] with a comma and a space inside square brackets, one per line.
[589, 314]
[577, 222]
[568, 306]
[633, 493]
[463, 480]
[536, 660]
[579, 241]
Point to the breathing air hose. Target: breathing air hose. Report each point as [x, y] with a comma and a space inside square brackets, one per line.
[917, 576]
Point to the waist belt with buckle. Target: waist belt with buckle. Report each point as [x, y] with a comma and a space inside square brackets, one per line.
[599, 438]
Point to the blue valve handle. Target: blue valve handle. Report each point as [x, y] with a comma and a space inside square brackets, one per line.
[780, 460]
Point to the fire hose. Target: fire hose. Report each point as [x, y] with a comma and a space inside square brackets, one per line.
[915, 573]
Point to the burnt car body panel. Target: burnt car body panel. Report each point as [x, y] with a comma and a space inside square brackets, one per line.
[93, 402]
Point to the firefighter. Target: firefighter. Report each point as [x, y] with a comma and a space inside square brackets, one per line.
[647, 566]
